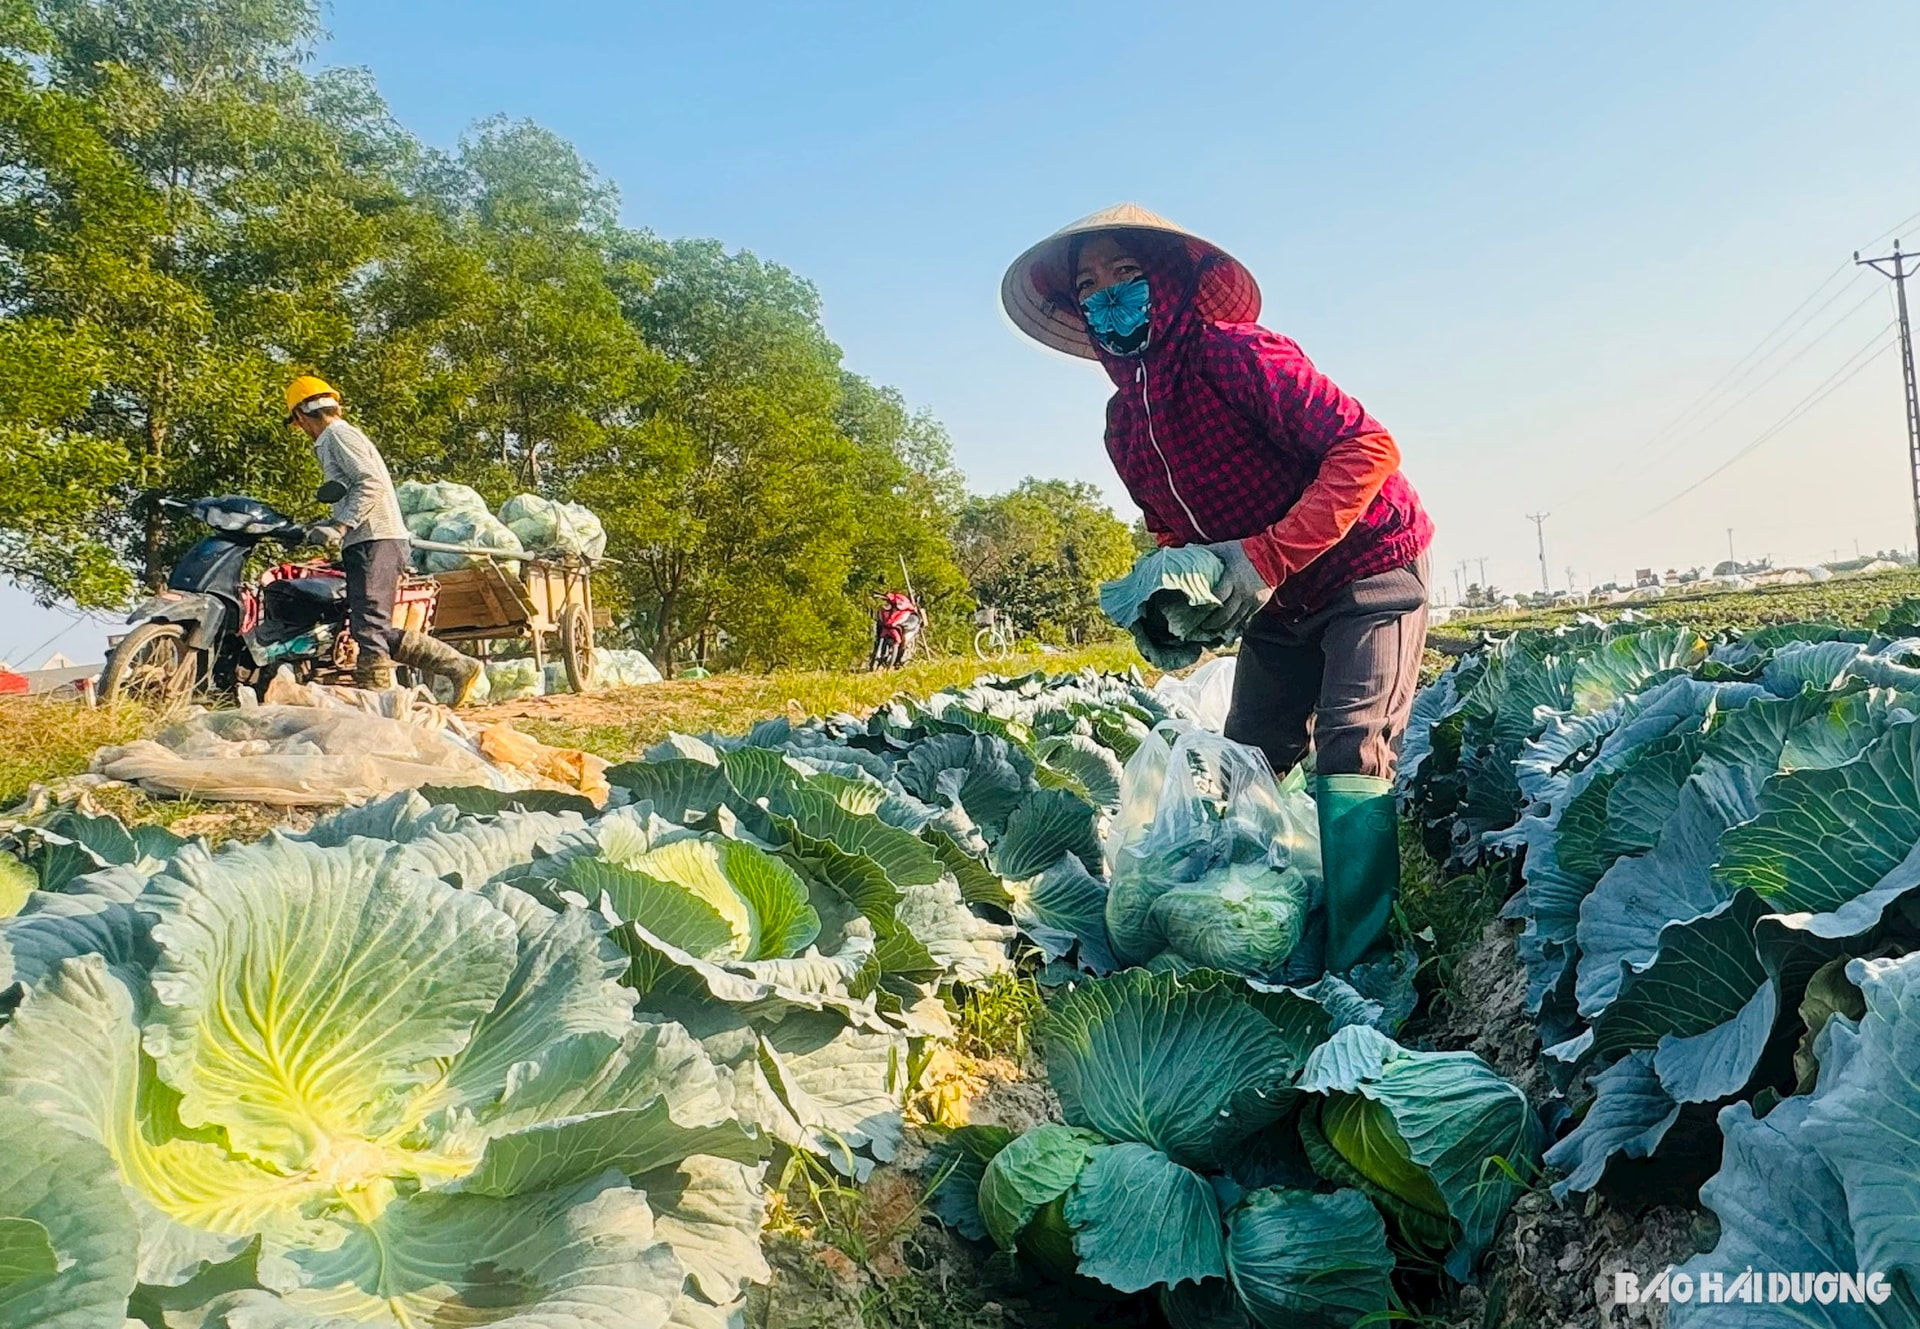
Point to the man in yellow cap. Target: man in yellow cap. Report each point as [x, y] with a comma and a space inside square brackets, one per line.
[372, 536]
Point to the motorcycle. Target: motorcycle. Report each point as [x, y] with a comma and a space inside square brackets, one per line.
[213, 629]
[897, 627]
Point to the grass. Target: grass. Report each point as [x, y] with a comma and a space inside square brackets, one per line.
[1448, 916]
[44, 740]
[996, 1018]
[1852, 601]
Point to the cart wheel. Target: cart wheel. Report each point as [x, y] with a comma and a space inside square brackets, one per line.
[576, 647]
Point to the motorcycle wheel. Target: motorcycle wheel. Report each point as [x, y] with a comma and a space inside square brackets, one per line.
[152, 664]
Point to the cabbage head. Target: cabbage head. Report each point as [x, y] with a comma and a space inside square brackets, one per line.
[1124, 1215]
[1244, 917]
[1162, 601]
[1436, 1139]
[333, 1088]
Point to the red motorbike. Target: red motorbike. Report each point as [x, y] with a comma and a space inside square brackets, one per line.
[897, 628]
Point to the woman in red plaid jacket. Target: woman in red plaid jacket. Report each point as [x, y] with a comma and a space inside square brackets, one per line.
[1227, 436]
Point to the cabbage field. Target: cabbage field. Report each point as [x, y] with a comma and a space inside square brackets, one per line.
[1717, 846]
[459, 1057]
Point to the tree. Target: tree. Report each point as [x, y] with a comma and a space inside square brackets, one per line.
[738, 525]
[913, 494]
[493, 344]
[183, 212]
[1039, 552]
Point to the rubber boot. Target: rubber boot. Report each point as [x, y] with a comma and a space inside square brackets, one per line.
[419, 651]
[375, 674]
[1360, 854]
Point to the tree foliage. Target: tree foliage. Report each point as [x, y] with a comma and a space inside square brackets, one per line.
[1039, 552]
[190, 213]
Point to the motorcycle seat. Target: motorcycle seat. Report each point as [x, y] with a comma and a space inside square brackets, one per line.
[322, 590]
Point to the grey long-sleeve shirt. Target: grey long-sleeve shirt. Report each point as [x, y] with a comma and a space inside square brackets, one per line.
[371, 510]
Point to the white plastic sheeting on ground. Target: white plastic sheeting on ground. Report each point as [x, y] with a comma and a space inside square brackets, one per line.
[329, 747]
[1204, 695]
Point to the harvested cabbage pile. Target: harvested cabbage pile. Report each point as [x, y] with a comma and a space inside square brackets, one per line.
[544, 523]
[1212, 866]
[1163, 600]
[452, 514]
[611, 669]
[508, 680]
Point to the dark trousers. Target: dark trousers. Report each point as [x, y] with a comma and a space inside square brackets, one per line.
[373, 578]
[1342, 678]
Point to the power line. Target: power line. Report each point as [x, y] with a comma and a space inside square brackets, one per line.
[27, 656]
[1892, 231]
[1764, 349]
[1794, 413]
[1783, 366]
[1743, 362]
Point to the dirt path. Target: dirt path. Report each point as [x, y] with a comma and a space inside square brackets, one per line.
[1553, 1264]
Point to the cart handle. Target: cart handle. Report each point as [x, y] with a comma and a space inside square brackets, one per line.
[507, 555]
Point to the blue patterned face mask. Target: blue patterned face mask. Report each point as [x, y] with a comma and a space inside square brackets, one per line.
[1118, 316]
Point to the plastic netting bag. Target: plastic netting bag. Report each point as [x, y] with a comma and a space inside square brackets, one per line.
[544, 524]
[1205, 695]
[1211, 864]
[580, 531]
[437, 496]
[611, 669]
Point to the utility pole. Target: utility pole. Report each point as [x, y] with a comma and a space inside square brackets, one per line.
[1539, 520]
[1482, 560]
[1730, 555]
[1459, 580]
[1899, 273]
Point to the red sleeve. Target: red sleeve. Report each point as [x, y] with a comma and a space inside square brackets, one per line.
[1350, 478]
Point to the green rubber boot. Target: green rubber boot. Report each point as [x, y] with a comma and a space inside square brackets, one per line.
[1360, 851]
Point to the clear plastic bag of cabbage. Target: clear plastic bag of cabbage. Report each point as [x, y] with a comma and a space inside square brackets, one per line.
[1211, 864]
[508, 680]
[476, 530]
[544, 523]
[417, 496]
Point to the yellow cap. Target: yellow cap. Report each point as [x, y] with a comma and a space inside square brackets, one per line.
[307, 387]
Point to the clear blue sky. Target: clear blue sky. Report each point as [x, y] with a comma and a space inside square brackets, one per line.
[1526, 236]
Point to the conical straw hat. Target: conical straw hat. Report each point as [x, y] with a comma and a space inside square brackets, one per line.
[1037, 290]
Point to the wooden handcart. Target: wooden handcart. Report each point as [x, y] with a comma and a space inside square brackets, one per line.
[547, 603]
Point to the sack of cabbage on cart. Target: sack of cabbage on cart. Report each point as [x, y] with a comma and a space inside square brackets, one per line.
[454, 514]
[1212, 862]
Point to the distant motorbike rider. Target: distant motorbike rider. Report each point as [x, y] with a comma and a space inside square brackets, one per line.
[372, 537]
[897, 625]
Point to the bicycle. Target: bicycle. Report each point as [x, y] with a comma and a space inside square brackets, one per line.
[995, 639]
